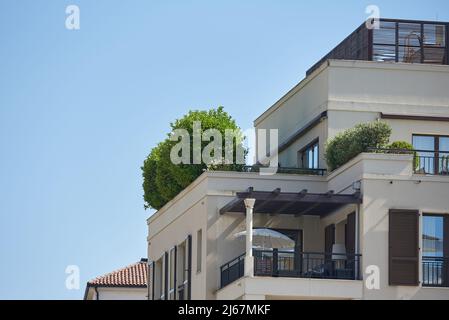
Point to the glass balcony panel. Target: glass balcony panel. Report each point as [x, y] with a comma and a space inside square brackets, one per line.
[384, 53]
[386, 34]
[434, 35]
[409, 34]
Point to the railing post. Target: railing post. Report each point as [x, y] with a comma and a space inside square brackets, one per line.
[249, 259]
[275, 266]
[307, 264]
[297, 262]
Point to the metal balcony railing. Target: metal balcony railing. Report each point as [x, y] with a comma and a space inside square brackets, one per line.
[435, 271]
[278, 263]
[232, 270]
[429, 162]
[289, 170]
[320, 265]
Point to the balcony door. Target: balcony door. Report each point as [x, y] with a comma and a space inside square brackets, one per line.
[289, 261]
[435, 250]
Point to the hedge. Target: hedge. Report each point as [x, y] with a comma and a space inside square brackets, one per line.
[349, 143]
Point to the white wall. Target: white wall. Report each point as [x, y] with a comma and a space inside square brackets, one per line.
[110, 293]
[198, 207]
[305, 101]
[388, 183]
[355, 92]
[429, 196]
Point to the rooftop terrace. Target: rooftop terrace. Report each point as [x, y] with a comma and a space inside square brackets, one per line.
[408, 41]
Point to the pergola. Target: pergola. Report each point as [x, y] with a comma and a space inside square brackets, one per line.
[291, 203]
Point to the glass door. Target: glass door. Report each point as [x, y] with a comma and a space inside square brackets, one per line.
[426, 154]
[433, 261]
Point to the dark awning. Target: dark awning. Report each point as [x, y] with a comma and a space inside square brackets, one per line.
[300, 203]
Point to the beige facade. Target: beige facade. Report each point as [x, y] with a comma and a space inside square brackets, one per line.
[354, 92]
[116, 293]
[345, 93]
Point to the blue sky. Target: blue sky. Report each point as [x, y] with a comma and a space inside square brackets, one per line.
[80, 110]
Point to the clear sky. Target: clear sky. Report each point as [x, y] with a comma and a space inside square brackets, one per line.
[80, 110]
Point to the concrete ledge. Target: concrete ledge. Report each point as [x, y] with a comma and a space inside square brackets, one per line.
[292, 288]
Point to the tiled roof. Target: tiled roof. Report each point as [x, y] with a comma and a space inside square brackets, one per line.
[132, 275]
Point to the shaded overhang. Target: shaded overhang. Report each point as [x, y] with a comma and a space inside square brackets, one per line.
[291, 203]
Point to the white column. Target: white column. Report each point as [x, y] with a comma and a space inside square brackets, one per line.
[249, 260]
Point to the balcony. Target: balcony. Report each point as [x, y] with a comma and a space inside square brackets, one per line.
[428, 162]
[283, 255]
[309, 265]
[431, 162]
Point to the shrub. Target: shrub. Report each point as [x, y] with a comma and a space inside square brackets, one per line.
[163, 180]
[403, 147]
[349, 143]
[400, 147]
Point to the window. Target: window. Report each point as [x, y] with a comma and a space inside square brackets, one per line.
[181, 267]
[308, 157]
[159, 280]
[433, 154]
[432, 236]
[434, 257]
[199, 250]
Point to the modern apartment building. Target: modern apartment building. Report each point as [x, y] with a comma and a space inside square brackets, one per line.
[375, 228]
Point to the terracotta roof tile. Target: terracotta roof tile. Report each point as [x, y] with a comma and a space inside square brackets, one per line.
[132, 275]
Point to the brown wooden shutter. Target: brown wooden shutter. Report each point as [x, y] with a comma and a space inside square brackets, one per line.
[189, 267]
[350, 234]
[166, 275]
[329, 238]
[175, 268]
[403, 252]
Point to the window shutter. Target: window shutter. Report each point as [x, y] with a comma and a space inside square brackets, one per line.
[166, 276]
[352, 262]
[189, 267]
[350, 234]
[175, 268]
[403, 251]
[329, 238]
